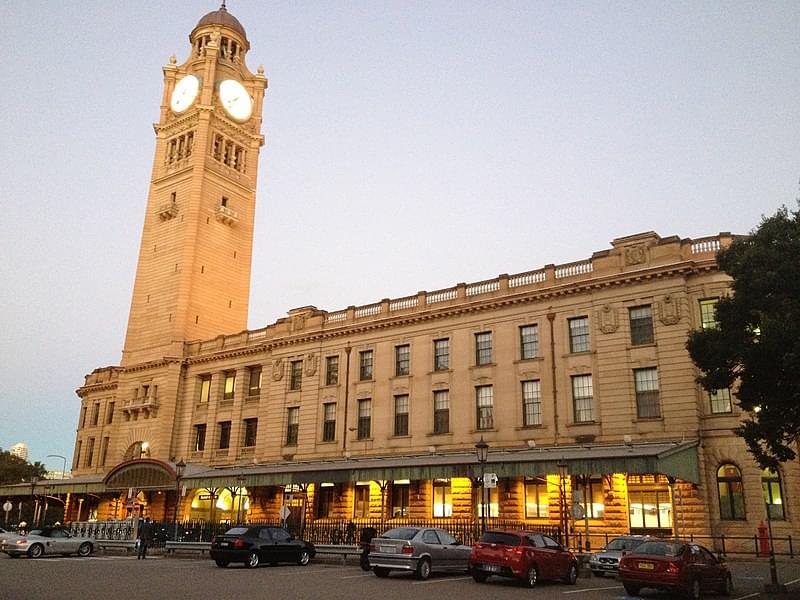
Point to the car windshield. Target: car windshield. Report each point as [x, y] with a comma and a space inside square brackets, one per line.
[496, 537]
[660, 548]
[623, 544]
[236, 531]
[35, 532]
[401, 533]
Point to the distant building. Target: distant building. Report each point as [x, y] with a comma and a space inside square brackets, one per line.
[20, 450]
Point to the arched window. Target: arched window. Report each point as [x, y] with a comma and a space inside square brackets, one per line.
[773, 496]
[731, 493]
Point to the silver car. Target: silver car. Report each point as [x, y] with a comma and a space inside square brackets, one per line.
[49, 540]
[419, 550]
[607, 559]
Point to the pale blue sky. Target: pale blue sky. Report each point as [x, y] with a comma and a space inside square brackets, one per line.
[410, 146]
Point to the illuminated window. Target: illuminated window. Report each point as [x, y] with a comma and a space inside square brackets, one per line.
[402, 359]
[400, 499]
[649, 503]
[441, 411]
[325, 496]
[708, 313]
[205, 388]
[582, 398]
[579, 334]
[442, 498]
[641, 320]
[441, 355]
[483, 348]
[537, 500]
[595, 508]
[329, 422]
[528, 341]
[531, 403]
[731, 493]
[361, 501]
[773, 496]
[230, 385]
[401, 415]
[720, 401]
[488, 501]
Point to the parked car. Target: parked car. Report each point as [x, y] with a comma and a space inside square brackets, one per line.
[255, 544]
[420, 550]
[48, 540]
[524, 555]
[677, 566]
[606, 560]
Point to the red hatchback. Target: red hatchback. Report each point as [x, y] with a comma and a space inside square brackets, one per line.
[677, 566]
[524, 555]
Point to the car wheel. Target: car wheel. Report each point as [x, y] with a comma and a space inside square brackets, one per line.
[381, 571]
[531, 577]
[85, 549]
[480, 576]
[35, 551]
[693, 592]
[572, 574]
[253, 560]
[304, 558]
[423, 569]
[222, 563]
[631, 589]
[727, 587]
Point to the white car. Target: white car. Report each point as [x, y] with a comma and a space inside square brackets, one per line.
[49, 540]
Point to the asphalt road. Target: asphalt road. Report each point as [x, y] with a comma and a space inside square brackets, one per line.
[104, 577]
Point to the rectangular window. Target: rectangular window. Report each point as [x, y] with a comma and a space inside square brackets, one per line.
[104, 451]
[442, 498]
[537, 500]
[199, 437]
[488, 502]
[83, 417]
[441, 355]
[441, 411]
[205, 388]
[720, 401]
[292, 425]
[531, 403]
[402, 359]
[529, 341]
[296, 375]
[328, 422]
[400, 499]
[250, 432]
[325, 500]
[224, 435]
[361, 502]
[96, 413]
[89, 452]
[110, 413]
[484, 400]
[331, 370]
[483, 348]
[595, 507]
[230, 385]
[579, 334]
[582, 399]
[254, 378]
[650, 509]
[364, 419]
[77, 457]
[365, 365]
[401, 415]
[708, 313]
[641, 319]
[646, 385]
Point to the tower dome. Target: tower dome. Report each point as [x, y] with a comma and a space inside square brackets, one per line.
[222, 17]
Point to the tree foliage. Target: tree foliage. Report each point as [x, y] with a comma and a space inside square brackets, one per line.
[13, 469]
[755, 349]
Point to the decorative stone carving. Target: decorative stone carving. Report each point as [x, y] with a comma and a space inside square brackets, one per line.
[310, 362]
[635, 255]
[607, 318]
[669, 311]
[277, 369]
[297, 323]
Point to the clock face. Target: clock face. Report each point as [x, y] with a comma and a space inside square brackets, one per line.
[235, 100]
[184, 93]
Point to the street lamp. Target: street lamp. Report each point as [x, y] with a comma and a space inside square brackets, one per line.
[64, 466]
[482, 452]
[180, 467]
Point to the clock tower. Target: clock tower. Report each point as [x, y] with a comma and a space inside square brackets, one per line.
[193, 272]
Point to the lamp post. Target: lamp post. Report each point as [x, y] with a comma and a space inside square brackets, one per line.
[240, 480]
[482, 452]
[773, 587]
[179, 469]
[562, 499]
[63, 467]
[34, 506]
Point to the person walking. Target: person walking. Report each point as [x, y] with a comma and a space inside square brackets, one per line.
[145, 538]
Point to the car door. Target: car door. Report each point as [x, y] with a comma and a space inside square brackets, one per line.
[432, 545]
[559, 558]
[709, 568]
[63, 542]
[455, 556]
[285, 549]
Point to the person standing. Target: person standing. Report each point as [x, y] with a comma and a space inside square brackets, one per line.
[145, 538]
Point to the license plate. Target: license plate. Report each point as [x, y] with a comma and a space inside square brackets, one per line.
[223, 544]
[646, 566]
[388, 549]
[492, 568]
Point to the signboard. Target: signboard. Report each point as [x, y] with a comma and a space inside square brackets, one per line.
[490, 480]
[285, 512]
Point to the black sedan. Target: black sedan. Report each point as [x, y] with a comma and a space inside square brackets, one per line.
[260, 543]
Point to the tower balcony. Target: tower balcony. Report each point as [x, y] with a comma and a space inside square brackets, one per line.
[167, 211]
[144, 404]
[226, 215]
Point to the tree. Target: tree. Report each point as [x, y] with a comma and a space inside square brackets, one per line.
[755, 349]
[13, 469]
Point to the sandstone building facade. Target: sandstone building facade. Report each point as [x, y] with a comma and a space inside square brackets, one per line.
[576, 375]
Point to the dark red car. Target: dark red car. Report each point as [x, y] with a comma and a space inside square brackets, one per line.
[524, 555]
[675, 565]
